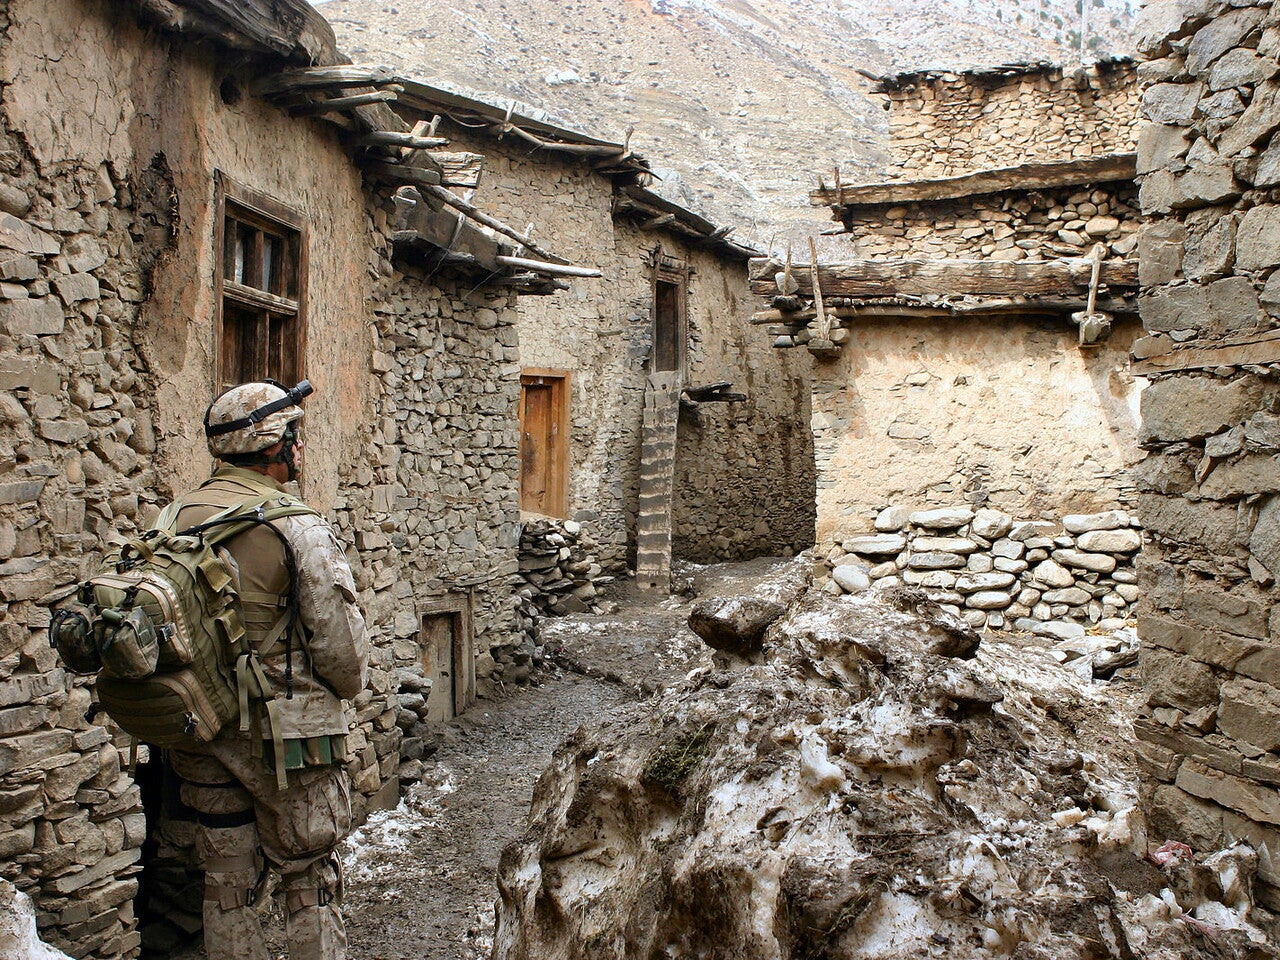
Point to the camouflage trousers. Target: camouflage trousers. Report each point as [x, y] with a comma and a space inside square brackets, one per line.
[244, 824]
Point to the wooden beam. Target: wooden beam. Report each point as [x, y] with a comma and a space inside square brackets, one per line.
[402, 173]
[548, 269]
[460, 169]
[287, 28]
[1256, 348]
[1027, 176]
[450, 231]
[322, 78]
[390, 138]
[920, 278]
[341, 104]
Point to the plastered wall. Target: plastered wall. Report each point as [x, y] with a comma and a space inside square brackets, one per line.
[1007, 414]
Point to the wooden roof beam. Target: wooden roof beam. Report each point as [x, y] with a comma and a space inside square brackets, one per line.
[942, 278]
[1027, 176]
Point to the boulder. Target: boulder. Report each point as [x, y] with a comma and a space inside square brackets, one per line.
[945, 518]
[990, 524]
[1110, 541]
[852, 577]
[734, 624]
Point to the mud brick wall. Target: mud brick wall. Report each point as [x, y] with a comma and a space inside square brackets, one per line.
[949, 124]
[1211, 487]
[1010, 225]
[744, 475]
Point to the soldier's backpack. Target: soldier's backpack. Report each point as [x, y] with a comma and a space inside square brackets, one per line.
[160, 625]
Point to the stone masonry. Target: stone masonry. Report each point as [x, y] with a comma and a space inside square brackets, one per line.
[995, 571]
[1210, 167]
[106, 363]
[944, 124]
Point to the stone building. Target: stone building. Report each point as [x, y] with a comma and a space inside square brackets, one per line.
[195, 194]
[1209, 167]
[673, 301]
[972, 352]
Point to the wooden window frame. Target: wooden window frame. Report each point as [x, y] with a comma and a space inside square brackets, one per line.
[558, 483]
[674, 271]
[236, 201]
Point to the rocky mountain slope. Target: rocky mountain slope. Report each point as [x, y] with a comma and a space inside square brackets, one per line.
[739, 104]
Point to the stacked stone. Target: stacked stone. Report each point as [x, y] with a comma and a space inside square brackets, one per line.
[996, 572]
[413, 719]
[949, 124]
[1011, 225]
[559, 570]
[1209, 742]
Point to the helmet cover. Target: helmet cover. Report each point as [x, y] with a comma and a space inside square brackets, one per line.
[239, 403]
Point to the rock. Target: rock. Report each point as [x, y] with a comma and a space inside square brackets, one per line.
[1096, 562]
[990, 524]
[735, 624]
[923, 544]
[946, 518]
[1031, 529]
[875, 546]
[851, 577]
[892, 519]
[1110, 541]
[935, 561]
[1084, 522]
[1048, 573]
[989, 600]
[975, 582]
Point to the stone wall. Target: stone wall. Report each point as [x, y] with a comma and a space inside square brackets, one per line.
[107, 347]
[1010, 225]
[1208, 739]
[744, 471]
[1005, 413]
[1047, 577]
[949, 124]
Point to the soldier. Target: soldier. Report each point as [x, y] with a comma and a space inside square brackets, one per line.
[278, 796]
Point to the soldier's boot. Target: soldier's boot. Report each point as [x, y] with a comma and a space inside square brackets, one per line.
[313, 911]
[232, 929]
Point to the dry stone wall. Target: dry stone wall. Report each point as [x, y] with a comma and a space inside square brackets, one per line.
[950, 124]
[1006, 414]
[1043, 576]
[1011, 225]
[1211, 489]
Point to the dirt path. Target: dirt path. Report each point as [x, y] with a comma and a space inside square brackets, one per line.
[420, 879]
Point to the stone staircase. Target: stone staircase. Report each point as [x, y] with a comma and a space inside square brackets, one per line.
[657, 473]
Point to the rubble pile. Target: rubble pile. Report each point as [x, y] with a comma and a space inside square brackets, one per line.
[862, 783]
[1039, 576]
[559, 571]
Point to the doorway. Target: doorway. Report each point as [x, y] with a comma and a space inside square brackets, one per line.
[544, 448]
[448, 657]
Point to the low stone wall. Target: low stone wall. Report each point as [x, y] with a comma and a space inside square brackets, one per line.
[559, 571]
[999, 572]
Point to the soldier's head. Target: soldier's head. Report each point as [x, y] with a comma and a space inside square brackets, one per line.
[255, 425]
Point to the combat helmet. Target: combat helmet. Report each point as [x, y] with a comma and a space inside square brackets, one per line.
[252, 417]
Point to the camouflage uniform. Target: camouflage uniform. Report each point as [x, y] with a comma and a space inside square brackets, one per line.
[245, 821]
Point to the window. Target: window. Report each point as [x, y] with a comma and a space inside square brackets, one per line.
[261, 288]
[670, 290]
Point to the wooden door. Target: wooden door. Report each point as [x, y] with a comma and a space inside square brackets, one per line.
[439, 662]
[543, 447]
